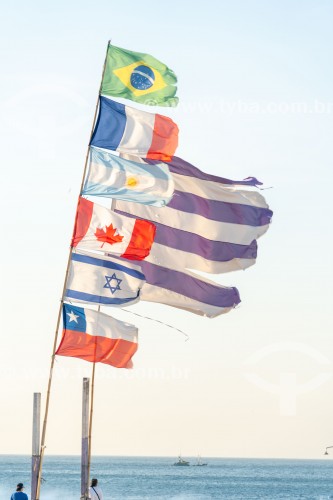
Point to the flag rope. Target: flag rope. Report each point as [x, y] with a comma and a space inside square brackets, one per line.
[42, 445]
[161, 322]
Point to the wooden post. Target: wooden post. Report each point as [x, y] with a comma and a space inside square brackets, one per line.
[91, 415]
[85, 439]
[35, 459]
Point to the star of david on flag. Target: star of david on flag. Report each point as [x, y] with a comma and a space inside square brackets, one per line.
[103, 280]
[109, 280]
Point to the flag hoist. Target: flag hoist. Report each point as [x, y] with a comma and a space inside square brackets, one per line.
[43, 434]
[100, 279]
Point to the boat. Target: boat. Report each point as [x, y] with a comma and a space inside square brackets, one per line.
[181, 462]
[200, 463]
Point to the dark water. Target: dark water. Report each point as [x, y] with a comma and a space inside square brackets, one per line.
[156, 478]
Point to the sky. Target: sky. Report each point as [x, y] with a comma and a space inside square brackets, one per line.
[255, 90]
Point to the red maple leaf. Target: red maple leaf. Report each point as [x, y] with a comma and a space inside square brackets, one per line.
[108, 235]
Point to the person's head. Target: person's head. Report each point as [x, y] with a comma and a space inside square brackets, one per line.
[94, 482]
[19, 487]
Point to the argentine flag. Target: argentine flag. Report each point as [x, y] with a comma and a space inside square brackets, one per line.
[113, 177]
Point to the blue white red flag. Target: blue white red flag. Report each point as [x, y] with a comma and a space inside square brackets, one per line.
[132, 131]
[97, 337]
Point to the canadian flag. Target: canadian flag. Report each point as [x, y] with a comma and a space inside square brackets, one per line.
[98, 228]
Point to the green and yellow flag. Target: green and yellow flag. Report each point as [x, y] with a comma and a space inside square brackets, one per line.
[139, 77]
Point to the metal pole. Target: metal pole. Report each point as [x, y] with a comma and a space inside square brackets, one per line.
[42, 445]
[35, 459]
[85, 440]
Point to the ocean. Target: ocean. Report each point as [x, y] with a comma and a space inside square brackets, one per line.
[139, 478]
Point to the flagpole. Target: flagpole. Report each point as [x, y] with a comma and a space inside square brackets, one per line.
[91, 413]
[90, 419]
[42, 447]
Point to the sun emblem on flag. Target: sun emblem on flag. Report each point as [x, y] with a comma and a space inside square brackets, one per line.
[131, 182]
[112, 283]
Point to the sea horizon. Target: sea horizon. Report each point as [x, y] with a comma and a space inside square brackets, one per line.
[103, 455]
[156, 478]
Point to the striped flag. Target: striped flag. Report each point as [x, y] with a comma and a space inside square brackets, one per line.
[132, 131]
[106, 281]
[98, 228]
[110, 176]
[185, 290]
[97, 337]
[211, 224]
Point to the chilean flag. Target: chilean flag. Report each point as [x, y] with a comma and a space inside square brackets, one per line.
[97, 337]
[98, 228]
[132, 131]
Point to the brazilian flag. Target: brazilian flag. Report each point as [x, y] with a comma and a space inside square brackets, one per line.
[139, 77]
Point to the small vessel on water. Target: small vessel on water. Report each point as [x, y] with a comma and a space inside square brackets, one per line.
[200, 463]
[181, 461]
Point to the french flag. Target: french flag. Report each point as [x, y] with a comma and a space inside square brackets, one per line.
[97, 337]
[132, 131]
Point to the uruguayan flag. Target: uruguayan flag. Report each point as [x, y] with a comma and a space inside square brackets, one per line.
[104, 281]
[113, 177]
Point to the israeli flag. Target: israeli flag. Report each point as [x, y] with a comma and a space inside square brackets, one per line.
[105, 281]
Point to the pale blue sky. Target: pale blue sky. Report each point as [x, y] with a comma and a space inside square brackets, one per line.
[255, 84]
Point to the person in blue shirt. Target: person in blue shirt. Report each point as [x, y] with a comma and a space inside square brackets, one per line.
[19, 494]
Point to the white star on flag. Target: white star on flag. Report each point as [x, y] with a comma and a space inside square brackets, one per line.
[72, 317]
